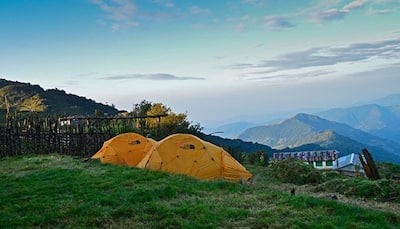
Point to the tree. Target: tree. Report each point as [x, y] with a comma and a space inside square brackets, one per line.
[162, 126]
[98, 113]
[140, 110]
[263, 158]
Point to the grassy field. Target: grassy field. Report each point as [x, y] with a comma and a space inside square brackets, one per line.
[53, 191]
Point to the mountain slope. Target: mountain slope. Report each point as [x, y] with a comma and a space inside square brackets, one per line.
[230, 130]
[308, 129]
[237, 144]
[390, 100]
[26, 97]
[374, 119]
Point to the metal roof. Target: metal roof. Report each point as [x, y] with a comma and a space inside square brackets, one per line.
[351, 159]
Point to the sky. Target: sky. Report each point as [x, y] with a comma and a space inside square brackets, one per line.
[217, 61]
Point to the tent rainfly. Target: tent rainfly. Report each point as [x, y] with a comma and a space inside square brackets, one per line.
[188, 154]
[178, 153]
[125, 149]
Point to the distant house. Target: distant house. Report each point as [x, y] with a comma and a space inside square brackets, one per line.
[349, 165]
[322, 159]
[71, 121]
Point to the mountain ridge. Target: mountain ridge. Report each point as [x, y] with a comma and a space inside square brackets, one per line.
[310, 129]
[374, 119]
[25, 97]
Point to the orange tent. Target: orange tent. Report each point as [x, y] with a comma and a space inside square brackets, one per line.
[188, 154]
[125, 149]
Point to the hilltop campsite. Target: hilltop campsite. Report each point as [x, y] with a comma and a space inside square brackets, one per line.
[200, 114]
[177, 180]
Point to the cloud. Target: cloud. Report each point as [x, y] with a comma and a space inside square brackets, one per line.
[164, 3]
[254, 2]
[357, 4]
[155, 76]
[316, 62]
[379, 12]
[284, 77]
[157, 16]
[119, 12]
[240, 66]
[332, 10]
[240, 27]
[326, 11]
[241, 23]
[330, 14]
[275, 22]
[87, 74]
[198, 10]
[327, 56]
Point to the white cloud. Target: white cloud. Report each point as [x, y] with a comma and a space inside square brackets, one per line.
[319, 62]
[378, 12]
[330, 14]
[155, 76]
[120, 12]
[357, 4]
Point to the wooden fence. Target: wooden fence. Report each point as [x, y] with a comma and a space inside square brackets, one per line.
[82, 136]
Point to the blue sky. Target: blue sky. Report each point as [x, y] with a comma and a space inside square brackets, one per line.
[215, 60]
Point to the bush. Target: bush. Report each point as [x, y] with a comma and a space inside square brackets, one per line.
[258, 158]
[383, 189]
[295, 171]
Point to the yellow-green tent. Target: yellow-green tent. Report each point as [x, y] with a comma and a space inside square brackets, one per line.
[188, 154]
[125, 149]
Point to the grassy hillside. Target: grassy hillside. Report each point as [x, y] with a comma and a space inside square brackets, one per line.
[60, 191]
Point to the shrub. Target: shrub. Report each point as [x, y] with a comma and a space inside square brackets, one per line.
[295, 171]
[383, 189]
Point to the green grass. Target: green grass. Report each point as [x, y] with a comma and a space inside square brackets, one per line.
[49, 191]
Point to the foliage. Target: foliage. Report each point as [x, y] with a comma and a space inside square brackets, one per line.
[159, 128]
[295, 171]
[24, 97]
[258, 158]
[140, 110]
[388, 170]
[47, 191]
[382, 190]
[386, 189]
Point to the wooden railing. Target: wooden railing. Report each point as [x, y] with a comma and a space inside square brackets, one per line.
[83, 137]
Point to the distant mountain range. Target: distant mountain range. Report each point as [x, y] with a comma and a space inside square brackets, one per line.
[387, 101]
[237, 145]
[231, 130]
[374, 119]
[32, 98]
[371, 124]
[304, 129]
